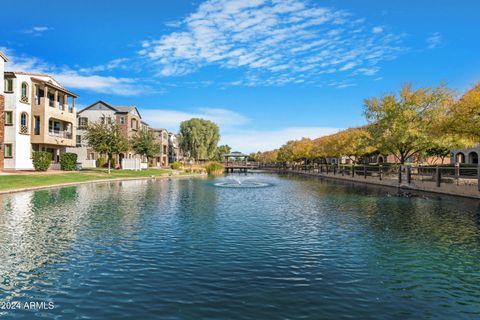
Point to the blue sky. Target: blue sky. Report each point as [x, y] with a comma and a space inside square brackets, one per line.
[266, 71]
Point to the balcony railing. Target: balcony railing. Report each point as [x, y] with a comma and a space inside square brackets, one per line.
[60, 134]
[23, 129]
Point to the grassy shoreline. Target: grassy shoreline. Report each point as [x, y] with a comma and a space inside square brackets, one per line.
[25, 181]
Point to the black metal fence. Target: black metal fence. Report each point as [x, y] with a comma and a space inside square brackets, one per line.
[404, 174]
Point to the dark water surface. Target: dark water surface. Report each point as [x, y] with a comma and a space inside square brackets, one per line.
[301, 248]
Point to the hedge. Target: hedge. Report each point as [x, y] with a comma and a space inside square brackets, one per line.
[68, 161]
[41, 160]
[176, 165]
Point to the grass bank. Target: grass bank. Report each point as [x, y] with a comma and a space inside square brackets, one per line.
[20, 181]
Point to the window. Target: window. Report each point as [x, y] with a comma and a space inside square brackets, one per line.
[23, 123]
[8, 85]
[39, 93]
[24, 97]
[51, 100]
[82, 122]
[8, 150]
[79, 140]
[8, 118]
[109, 120]
[37, 126]
[122, 120]
[61, 101]
[134, 124]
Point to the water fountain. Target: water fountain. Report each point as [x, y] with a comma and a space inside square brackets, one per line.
[240, 182]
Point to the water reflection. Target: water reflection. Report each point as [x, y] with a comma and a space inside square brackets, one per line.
[302, 248]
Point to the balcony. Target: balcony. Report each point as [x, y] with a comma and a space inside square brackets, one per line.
[60, 134]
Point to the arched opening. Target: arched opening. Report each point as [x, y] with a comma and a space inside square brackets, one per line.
[473, 157]
[460, 157]
[24, 97]
[24, 123]
[380, 159]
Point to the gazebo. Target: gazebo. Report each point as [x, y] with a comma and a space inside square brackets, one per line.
[237, 157]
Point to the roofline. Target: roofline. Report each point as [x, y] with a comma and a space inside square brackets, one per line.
[54, 86]
[136, 109]
[113, 108]
[3, 56]
[99, 101]
[30, 74]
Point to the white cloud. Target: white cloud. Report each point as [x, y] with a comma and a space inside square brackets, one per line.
[37, 31]
[119, 63]
[275, 41]
[254, 140]
[170, 119]
[83, 79]
[100, 84]
[435, 40]
[235, 130]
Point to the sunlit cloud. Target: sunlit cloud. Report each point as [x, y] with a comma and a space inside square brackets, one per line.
[275, 42]
[83, 79]
[263, 140]
[37, 31]
[170, 119]
[435, 40]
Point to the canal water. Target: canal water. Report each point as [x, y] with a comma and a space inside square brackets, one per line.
[238, 247]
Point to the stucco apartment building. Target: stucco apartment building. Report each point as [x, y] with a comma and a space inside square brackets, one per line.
[128, 119]
[174, 152]
[162, 137]
[39, 115]
[3, 59]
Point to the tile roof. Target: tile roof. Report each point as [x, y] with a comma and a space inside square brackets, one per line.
[124, 108]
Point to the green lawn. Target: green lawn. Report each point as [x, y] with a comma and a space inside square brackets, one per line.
[10, 182]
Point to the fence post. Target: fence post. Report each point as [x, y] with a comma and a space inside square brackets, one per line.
[342, 169]
[438, 176]
[353, 170]
[334, 170]
[365, 171]
[380, 172]
[326, 168]
[400, 174]
[409, 174]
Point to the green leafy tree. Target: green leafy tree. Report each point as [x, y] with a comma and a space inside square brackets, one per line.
[221, 151]
[405, 125]
[106, 138]
[145, 143]
[199, 138]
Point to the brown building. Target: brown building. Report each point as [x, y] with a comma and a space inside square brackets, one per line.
[128, 119]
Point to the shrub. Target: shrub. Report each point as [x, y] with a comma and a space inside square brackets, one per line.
[101, 162]
[215, 168]
[68, 161]
[176, 165]
[41, 160]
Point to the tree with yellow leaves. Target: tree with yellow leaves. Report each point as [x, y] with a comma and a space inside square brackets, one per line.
[407, 124]
[464, 117]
